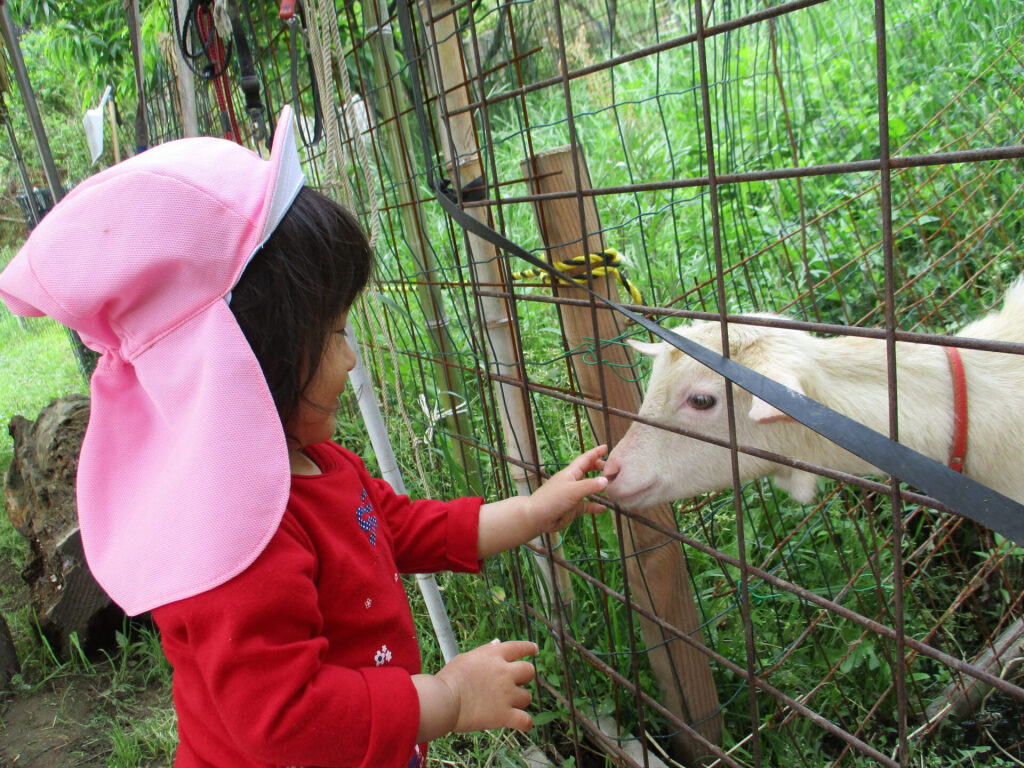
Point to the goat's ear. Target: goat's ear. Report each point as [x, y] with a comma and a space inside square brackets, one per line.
[765, 413]
[645, 347]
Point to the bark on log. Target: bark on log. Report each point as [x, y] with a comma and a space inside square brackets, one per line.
[8, 658]
[39, 490]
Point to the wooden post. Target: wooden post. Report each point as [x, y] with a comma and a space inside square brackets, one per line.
[131, 8]
[655, 566]
[391, 130]
[458, 136]
[115, 142]
[186, 89]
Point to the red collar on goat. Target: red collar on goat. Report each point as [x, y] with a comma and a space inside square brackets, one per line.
[959, 447]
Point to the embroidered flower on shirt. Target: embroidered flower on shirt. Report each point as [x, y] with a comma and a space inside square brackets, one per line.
[366, 519]
[382, 657]
[368, 603]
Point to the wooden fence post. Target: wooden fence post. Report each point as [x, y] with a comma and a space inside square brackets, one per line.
[391, 130]
[654, 563]
[462, 157]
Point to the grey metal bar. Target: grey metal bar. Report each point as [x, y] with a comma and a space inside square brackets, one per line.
[28, 98]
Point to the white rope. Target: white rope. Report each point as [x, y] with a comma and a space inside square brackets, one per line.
[334, 177]
[357, 140]
[222, 20]
[323, 39]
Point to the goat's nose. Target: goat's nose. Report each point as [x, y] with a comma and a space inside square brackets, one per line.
[611, 471]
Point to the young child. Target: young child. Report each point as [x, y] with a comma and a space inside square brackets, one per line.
[217, 288]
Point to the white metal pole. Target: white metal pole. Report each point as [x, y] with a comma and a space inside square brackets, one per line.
[370, 409]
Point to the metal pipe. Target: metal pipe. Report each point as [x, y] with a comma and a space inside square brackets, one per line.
[28, 98]
[374, 421]
[19, 159]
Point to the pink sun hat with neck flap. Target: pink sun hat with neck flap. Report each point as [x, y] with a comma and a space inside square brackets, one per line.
[183, 475]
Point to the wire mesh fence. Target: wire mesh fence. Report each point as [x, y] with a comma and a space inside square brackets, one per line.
[854, 168]
[733, 153]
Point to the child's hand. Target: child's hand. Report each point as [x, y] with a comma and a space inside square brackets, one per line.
[559, 501]
[486, 684]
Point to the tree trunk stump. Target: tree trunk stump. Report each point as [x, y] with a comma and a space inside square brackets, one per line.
[8, 658]
[39, 490]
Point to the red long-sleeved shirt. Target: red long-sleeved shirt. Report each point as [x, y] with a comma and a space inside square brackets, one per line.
[306, 658]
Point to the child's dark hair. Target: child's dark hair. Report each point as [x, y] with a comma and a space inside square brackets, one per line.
[310, 270]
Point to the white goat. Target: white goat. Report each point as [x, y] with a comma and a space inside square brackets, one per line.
[848, 374]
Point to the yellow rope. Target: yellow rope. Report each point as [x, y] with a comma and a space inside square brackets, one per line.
[607, 263]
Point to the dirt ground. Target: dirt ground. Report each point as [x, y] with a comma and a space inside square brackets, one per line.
[68, 721]
[53, 727]
[65, 721]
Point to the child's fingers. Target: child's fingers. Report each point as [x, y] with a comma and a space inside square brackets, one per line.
[521, 698]
[520, 720]
[512, 650]
[588, 486]
[522, 672]
[588, 461]
[594, 457]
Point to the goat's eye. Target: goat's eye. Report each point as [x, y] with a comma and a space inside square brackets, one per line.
[702, 402]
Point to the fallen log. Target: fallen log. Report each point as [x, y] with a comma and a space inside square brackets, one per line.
[9, 665]
[39, 491]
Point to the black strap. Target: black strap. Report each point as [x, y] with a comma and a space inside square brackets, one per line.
[296, 28]
[250, 81]
[184, 31]
[961, 494]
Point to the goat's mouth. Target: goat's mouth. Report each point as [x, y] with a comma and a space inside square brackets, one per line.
[632, 497]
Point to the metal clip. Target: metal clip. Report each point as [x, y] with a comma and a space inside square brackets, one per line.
[287, 11]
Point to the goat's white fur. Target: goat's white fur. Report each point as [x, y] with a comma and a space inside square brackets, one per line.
[848, 374]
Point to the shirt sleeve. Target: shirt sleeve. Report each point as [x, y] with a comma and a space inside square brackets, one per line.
[429, 535]
[257, 647]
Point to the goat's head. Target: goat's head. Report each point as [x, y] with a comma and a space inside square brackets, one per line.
[652, 465]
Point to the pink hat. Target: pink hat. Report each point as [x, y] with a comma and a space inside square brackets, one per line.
[183, 476]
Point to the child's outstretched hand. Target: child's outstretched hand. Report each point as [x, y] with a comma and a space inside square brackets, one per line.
[510, 522]
[560, 500]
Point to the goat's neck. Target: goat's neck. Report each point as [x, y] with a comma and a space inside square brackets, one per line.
[851, 375]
